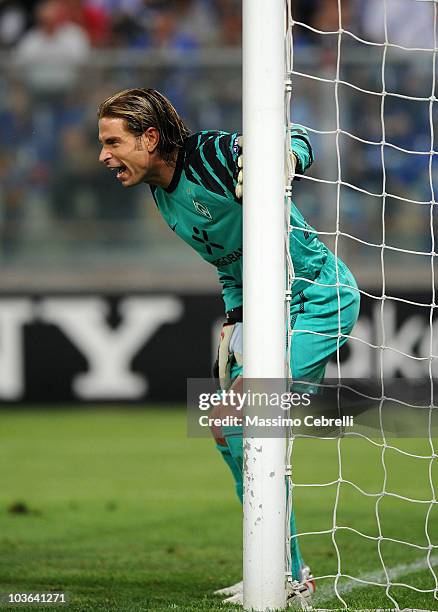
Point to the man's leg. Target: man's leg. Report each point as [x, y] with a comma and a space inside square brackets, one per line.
[317, 310]
[236, 470]
[314, 310]
[229, 442]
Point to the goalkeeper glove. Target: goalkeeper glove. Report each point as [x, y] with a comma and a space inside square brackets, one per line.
[229, 353]
[289, 169]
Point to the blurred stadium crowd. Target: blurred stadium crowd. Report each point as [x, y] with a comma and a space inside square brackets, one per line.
[134, 24]
[60, 58]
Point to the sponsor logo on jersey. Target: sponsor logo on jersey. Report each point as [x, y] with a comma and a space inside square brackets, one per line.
[229, 258]
[202, 236]
[202, 209]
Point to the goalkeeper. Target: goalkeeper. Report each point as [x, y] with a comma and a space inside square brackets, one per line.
[197, 181]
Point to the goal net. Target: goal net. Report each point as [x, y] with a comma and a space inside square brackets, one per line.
[361, 78]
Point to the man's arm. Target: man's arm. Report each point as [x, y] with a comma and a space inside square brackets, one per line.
[301, 156]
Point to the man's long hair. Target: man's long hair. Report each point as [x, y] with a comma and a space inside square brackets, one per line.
[145, 108]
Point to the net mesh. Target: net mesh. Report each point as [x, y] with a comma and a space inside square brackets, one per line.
[368, 537]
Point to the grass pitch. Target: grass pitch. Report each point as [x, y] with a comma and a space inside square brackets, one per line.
[120, 510]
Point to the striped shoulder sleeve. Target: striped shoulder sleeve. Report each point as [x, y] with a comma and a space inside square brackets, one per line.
[301, 147]
[211, 161]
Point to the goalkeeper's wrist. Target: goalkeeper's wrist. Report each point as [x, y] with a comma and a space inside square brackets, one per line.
[235, 315]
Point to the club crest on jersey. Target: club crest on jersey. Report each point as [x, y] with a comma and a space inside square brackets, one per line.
[202, 210]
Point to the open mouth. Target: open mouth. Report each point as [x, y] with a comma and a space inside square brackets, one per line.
[119, 170]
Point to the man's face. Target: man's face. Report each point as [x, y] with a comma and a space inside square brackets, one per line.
[125, 154]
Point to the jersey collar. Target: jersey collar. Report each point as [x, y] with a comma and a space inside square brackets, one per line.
[177, 172]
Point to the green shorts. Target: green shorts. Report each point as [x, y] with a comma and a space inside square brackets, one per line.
[322, 315]
[320, 321]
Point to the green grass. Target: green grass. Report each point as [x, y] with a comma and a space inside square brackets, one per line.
[123, 512]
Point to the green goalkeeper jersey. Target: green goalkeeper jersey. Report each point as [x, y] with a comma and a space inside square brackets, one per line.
[200, 206]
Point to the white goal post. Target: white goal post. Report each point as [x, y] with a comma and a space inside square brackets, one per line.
[268, 72]
[264, 533]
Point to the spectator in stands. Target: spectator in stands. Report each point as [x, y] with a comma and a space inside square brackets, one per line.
[16, 17]
[326, 15]
[182, 25]
[229, 14]
[196, 19]
[24, 166]
[13, 22]
[49, 54]
[129, 7]
[402, 28]
[167, 33]
[128, 27]
[93, 19]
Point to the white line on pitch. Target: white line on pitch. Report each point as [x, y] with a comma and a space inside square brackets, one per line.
[327, 591]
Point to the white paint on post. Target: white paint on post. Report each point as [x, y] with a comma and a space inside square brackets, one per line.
[264, 285]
